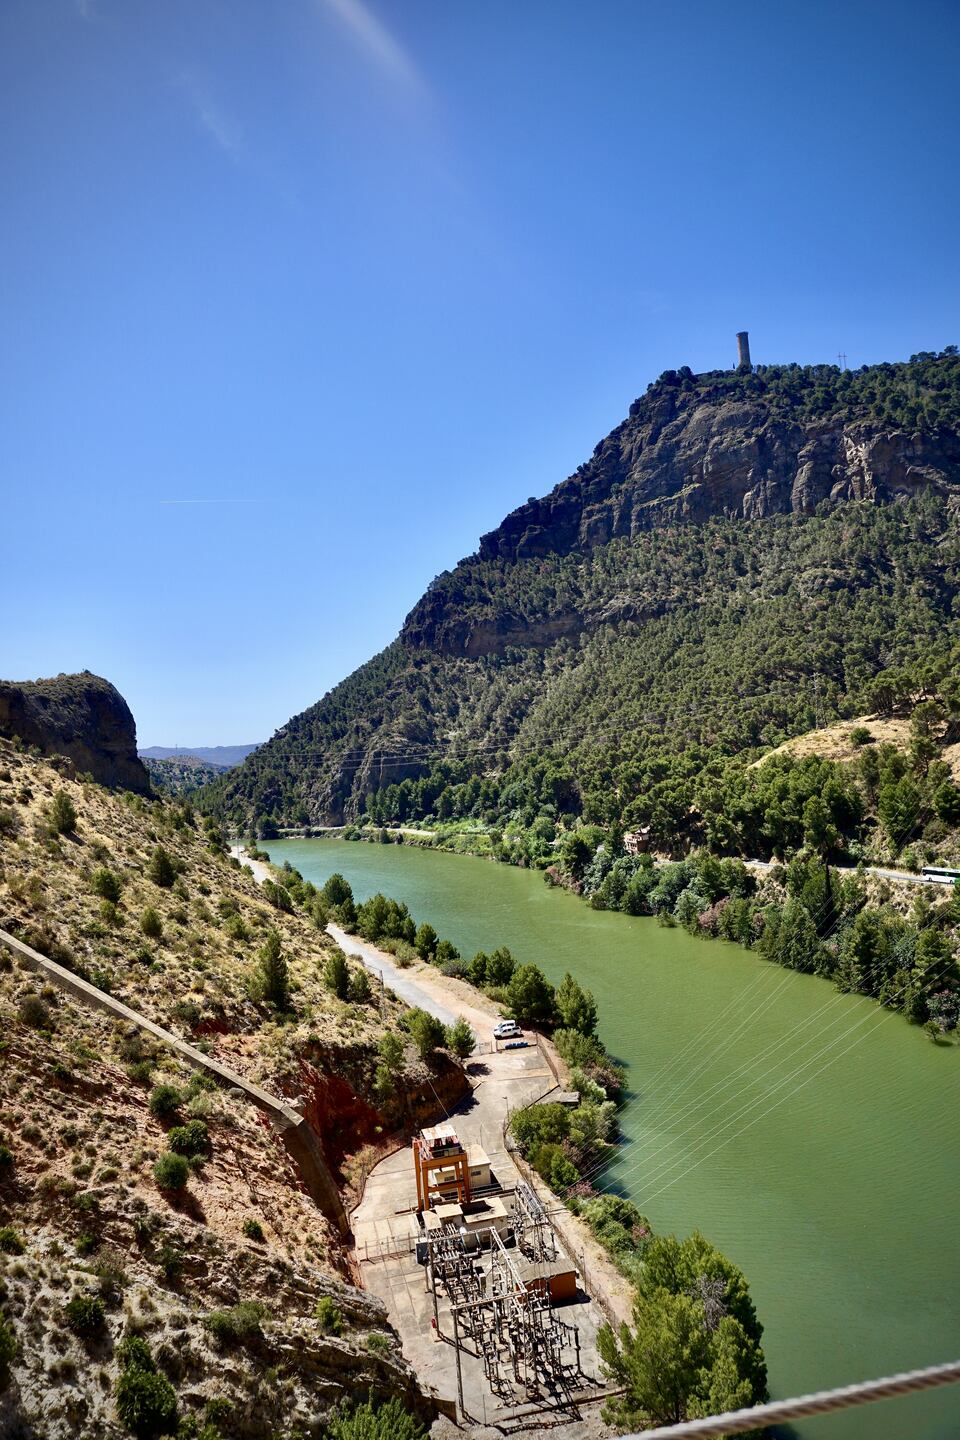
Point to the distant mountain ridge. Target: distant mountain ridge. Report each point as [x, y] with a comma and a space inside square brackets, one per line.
[735, 563]
[223, 756]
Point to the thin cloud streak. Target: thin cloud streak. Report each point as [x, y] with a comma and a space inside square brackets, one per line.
[221, 127]
[376, 41]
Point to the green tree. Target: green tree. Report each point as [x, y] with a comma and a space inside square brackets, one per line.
[477, 969]
[392, 1059]
[898, 806]
[360, 989]
[161, 869]
[694, 1347]
[427, 1032]
[274, 974]
[425, 942]
[500, 967]
[336, 973]
[336, 890]
[576, 1007]
[63, 814]
[946, 802]
[818, 828]
[460, 1039]
[390, 1050]
[530, 996]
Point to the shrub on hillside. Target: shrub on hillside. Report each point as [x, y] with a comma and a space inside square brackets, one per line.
[164, 1100]
[371, 1422]
[106, 884]
[161, 869]
[146, 1401]
[11, 1242]
[8, 1352]
[192, 1139]
[329, 1315]
[171, 1171]
[151, 924]
[63, 814]
[240, 1322]
[33, 1011]
[85, 1314]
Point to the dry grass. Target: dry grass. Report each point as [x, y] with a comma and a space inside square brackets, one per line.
[834, 742]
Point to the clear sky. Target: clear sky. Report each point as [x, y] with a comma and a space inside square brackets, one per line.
[299, 297]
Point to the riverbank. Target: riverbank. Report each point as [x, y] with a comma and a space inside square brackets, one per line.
[449, 998]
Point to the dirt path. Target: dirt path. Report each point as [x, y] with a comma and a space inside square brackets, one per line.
[261, 871]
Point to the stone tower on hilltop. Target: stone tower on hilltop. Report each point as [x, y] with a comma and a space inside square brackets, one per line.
[743, 350]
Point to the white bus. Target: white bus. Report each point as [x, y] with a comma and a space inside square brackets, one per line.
[939, 875]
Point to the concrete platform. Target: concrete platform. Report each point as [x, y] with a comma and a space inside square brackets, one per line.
[386, 1231]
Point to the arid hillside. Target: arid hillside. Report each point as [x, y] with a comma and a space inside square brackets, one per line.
[139, 1201]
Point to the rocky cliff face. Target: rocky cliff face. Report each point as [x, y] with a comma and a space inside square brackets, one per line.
[81, 716]
[684, 455]
[674, 461]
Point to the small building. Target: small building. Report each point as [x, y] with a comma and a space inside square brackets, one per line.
[478, 1169]
[557, 1278]
[473, 1221]
[637, 842]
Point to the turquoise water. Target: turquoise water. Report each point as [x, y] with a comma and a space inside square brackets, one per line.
[832, 1179]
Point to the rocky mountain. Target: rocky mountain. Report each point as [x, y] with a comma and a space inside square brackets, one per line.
[81, 716]
[733, 565]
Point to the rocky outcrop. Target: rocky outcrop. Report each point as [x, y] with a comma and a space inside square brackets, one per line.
[683, 456]
[721, 460]
[674, 462]
[81, 716]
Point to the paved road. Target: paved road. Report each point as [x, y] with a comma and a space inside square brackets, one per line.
[407, 988]
[885, 872]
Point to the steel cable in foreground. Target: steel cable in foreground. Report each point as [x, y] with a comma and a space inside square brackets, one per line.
[735, 1422]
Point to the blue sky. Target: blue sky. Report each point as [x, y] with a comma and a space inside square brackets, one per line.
[300, 298]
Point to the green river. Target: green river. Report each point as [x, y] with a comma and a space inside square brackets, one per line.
[830, 1175]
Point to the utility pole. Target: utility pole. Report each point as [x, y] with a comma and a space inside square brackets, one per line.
[842, 357]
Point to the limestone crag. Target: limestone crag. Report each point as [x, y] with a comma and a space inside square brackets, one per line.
[672, 464]
[81, 716]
